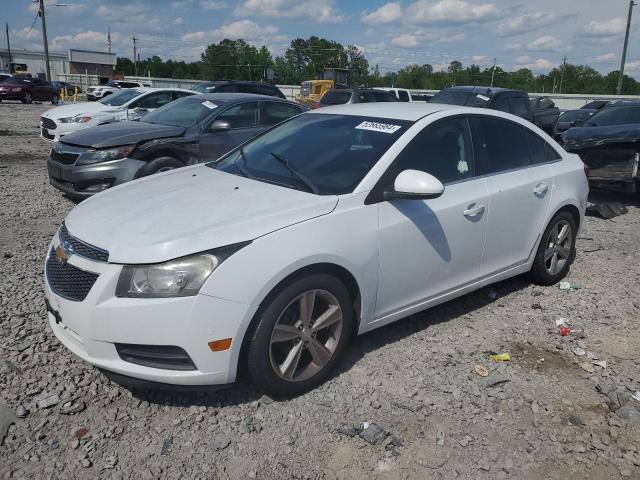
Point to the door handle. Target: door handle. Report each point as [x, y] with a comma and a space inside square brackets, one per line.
[474, 211]
[541, 188]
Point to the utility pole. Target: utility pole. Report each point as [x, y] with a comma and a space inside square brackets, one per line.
[624, 48]
[109, 39]
[8, 43]
[564, 67]
[44, 39]
[135, 56]
[493, 71]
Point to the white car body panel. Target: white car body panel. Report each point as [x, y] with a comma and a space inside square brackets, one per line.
[404, 256]
[99, 113]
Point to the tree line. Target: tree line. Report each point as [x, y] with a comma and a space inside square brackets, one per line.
[306, 59]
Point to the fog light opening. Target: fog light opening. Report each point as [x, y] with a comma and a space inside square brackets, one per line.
[220, 345]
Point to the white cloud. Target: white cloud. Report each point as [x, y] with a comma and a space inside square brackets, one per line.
[456, 37]
[27, 33]
[245, 29]
[537, 65]
[632, 66]
[451, 11]
[606, 28]
[546, 43]
[387, 13]
[313, 10]
[527, 23]
[90, 40]
[178, 20]
[211, 5]
[604, 58]
[479, 58]
[406, 40]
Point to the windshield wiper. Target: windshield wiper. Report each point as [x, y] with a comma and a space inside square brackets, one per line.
[242, 168]
[312, 188]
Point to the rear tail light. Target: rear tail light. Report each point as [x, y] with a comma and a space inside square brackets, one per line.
[586, 171]
[16, 89]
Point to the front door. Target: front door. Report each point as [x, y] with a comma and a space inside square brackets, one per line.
[430, 247]
[243, 119]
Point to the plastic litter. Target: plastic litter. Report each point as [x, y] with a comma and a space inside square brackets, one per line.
[600, 363]
[372, 433]
[569, 286]
[480, 370]
[587, 367]
[636, 396]
[46, 400]
[502, 357]
[580, 352]
[560, 322]
[565, 331]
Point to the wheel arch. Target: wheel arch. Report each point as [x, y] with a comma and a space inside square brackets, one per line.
[570, 208]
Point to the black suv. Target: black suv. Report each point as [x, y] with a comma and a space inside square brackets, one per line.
[355, 95]
[503, 99]
[233, 86]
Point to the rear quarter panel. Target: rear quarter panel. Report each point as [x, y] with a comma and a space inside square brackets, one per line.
[570, 185]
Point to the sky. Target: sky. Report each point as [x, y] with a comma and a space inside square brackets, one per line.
[534, 34]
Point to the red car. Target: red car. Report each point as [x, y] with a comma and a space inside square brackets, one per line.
[27, 90]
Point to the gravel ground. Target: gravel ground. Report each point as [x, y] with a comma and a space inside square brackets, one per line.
[546, 414]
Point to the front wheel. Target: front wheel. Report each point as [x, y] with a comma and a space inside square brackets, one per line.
[159, 165]
[300, 335]
[556, 251]
[27, 98]
[55, 99]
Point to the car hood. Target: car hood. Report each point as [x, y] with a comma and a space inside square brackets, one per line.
[190, 210]
[121, 133]
[75, 109]
[578, 138]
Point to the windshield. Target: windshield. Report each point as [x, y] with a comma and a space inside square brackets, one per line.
[451, 97]
[120, 98]
[335, 97]
[202, 88]
[615, 116]
[322, 153]
[17, 81]
[184, 112]
[575, 116]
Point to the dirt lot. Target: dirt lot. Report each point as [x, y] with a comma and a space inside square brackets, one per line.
[539, 416]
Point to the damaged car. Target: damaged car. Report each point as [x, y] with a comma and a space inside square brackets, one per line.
[192, 129]
[609, 144]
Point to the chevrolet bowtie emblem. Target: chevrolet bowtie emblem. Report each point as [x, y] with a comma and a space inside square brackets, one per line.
[61, 254]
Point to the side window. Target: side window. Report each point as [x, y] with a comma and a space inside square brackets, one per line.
[264, 90]
[276, 112]
[177, 95]
[501, 103]
[537, 148]
[226, 89]
[442, 149]
[500, 146]
[520, 106]
[382, 96]
[155, 100]
[550, 153]
[241, 116]
[365, 97]
[403, 96]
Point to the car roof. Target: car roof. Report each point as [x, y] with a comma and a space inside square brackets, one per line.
[490, 90]
[623, 103]
[225, 82]
[238, 97]
[395, 110]
[160, 89]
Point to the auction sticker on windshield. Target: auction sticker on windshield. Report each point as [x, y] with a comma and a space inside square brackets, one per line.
[378, 127]
[209, 104]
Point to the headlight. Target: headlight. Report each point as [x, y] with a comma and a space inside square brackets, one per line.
[78, 119]
[182, 277]
[97, 156]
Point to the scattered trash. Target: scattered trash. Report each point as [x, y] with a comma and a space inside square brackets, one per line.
[636, 396]
[7, 418]
[480, 370]
[492, 294]
[628, 412]
[569, 286]
[372, 433]
[606, 210]
[580, 352]
[166, 445]
[71, 408]
[565, 331]
[81, 432]
[560, 322]
[440, 437]
[46, 400]
[502, 357]
[496, 382]
[600, 363]
[587, 367]
[412, 406]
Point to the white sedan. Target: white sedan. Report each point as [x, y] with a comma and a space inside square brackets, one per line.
[334, 223]
[128, 104]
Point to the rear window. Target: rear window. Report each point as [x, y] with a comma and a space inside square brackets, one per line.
[335, 97]
[450, 97]
[403, 96]
[615, 116]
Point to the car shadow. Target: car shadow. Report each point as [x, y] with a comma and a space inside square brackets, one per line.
[602, 195]
[242, 392]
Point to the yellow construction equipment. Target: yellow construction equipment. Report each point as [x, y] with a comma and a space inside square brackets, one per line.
[311, 91]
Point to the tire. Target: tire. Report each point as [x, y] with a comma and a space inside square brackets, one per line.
[27, 98]
[157, 165]
[543, 271]
[317, 348]
[55, 99]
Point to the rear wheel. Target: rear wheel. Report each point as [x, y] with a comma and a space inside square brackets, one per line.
[27, 98]
[300, 335]
[556, 251]
[158, 165]
[55, 99]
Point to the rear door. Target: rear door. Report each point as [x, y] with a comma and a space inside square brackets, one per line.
[519, 184]
[243, 119]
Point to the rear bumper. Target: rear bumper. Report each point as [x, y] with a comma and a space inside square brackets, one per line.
[11, 96]
[83, 181]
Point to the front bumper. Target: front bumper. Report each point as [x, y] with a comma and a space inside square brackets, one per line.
[12, 96]
[62, 129]
[91, 328]
[83, 181]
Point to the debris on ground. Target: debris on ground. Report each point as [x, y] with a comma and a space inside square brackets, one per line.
[600, 363]
[166, 445]
[569, 286]
[579, 352]
[7, 418]
[606, 210]
[46, 400]
[371, 433]
[480, 370]
[587, 367]
[71, 408]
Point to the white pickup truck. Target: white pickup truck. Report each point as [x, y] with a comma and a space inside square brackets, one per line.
[96, 92]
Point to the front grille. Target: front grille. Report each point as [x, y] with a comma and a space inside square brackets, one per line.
[47, 135]
[64, 157]
[48, 123]
[78, 247]
[68, 281]
[90, 89]
[167, 357]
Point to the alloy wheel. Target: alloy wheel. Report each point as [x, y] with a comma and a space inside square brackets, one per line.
[28, 98]
[558, 247]
[306, 335]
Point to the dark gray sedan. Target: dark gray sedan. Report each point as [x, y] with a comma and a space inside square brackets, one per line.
[190, 130]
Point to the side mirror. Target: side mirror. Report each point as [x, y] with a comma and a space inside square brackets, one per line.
[414, 184]
[220, 126]
[572, 123]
